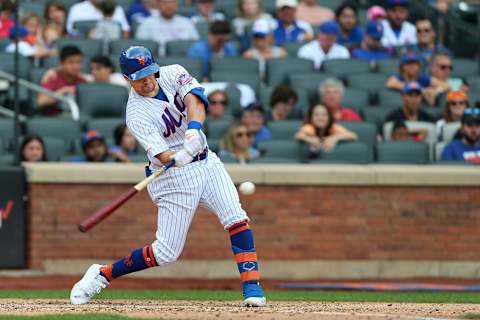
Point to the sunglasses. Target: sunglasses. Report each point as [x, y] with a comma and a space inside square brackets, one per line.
[217, 101]
[424, 30]
[445, 66]
[242, 134]
[458, 103]
[472, 111]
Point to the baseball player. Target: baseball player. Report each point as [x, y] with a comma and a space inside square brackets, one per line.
[165, 112]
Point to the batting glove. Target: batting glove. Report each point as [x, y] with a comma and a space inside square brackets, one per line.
[182, 158]
[195, 141]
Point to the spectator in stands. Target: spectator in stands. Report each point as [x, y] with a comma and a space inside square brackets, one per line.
[455, 105]
[125, 144]
[410, 111]
[27, 45]
[33, 24]
[102, 72]
[87, 10]
[263, 47]
[206, 12]
[237, 145]
[94, 148]
[401, 132]
[169, 26]
[216, 45]
[350, 34]
[141, 9]
[107, 29]
[253, 117]
[376, 13]
[287, 29]
[62, 80]
[410, 69]
[55, 16]
[248, 12]
[426, 45]
[217, 104]
[32, 149]
[282, 103]
[6, 20]
[313, 13]
[325, 46]
[331, 95]
[467, 148]
[397, 31]
[247, 94]
[321, 132]
[371, 48]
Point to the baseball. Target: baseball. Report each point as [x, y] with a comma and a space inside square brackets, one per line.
[247, 188]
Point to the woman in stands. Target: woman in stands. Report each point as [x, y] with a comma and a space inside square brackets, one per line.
[350, 35]
[55, 22]
[32, 149]
[321, 132]
[236, 145]
[456, 103]
[125, 144]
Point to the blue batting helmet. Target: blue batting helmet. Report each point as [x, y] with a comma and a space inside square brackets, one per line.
[137, 63]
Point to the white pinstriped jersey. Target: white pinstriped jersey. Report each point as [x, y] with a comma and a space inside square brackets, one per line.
[159, 126]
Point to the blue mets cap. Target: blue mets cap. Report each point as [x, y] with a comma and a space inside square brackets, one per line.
[329, 27]
[411, 86]
[90, 136]
[137, 63]
[374, 30]
[394, 3]
[410, 57]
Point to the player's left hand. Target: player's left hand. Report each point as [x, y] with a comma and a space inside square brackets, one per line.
[182, 158]
[195, 141]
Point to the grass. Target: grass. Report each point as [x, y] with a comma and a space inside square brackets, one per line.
[280, 295]
[471, 316]
[89, 316]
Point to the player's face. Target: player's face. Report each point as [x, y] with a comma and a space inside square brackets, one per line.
[168, 8]
[320, 117]
[425, 32]
[145, 87]
[397, 15]
[412, 100]
[100, 73]
[457, 106]
[33, 151]
[332, 97]
[347, 19]
[128, 140]
[96, 151]
[286, 14]
[72, 65]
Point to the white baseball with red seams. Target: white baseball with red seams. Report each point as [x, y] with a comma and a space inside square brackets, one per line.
[246, 188]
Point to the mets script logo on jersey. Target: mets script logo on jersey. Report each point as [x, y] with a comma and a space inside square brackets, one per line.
[183, 79]
[171, 123]
[5, 212]
[141, 60]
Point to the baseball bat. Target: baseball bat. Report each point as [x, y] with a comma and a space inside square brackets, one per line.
[102, 213]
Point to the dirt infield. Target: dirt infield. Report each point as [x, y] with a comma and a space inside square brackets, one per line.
[209, 310]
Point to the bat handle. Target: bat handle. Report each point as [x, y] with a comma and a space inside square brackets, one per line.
[142, 184]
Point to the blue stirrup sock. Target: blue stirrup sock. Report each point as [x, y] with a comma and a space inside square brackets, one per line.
[243, 247]
[139, 259]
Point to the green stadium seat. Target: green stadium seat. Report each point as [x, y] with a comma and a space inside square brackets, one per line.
[7, 64]
[284, 130]
[389, 98]
[66, 129]
[370, 82]
[179, 48]
[36, 74]
[253, 80]
[55, 148]
[403, 152]
[331, 4]
[439, 146]
[355, 98]
[36, 7]
[347, 152]
[89, 47]
[193, 66]
[343, 67]
[376, 115]
[6, 160]
[269, 6]
[292, 48]
[101, 100]
[234, 108]
[229, 8]
[474, 83]
[309, 81]
[202, 29]
[217, 129]
[84, 27]
[7, 131]
[388, 66]
[464, 68]
[213, 144]
[279, 151]
[117, 46]
[105, 126]
[234, 65]
[366, 131]
[435, 112]
[278, 69]
[139, 158]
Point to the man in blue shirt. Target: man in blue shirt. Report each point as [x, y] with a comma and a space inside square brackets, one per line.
[287, 28]
[371, 48]
[467, 148]
[216, 45]
[426, 45]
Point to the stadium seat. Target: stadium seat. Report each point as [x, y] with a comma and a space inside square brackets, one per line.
[7, 64]
[439, 146]
[101, 100]
[253, 80]
[66, 129]
[355, 98]
[234, 65]
[55, 148]
[376, 115]
[279, 151]
[450, 130]
[89, 47]
[217, 129]
[292, 48]
[36, 7]
[140, 157]
[202, 29]
[309, 81]
[434, 112]
[84, 27]
[474, 83]
[343, 67]
[464, 68]
[6, 131]
[269, 6]
[388, 66]
[347, 152]
[278, 69]
[366, 131]
[284, 130]
[105, 126]
[431, 137]
[229, 8]
[6, 160]
[193, 66]
[234, 108]
[403, 152]
[332, 4]
[179, 48]
[117, 46]
[213, 144]
[36, 74]
[370, 82]
[389, 98]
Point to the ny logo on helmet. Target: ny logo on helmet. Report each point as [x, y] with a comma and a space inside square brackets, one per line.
[141, 60]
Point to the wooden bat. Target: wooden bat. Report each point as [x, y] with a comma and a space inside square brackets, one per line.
[102, 213]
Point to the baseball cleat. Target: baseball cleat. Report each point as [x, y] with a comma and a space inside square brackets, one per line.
[91, 284]
[253, 294]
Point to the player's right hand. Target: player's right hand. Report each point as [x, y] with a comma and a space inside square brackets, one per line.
[195, 141]
[182, 158]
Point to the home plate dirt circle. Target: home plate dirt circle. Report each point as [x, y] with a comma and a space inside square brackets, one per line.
[219, 310]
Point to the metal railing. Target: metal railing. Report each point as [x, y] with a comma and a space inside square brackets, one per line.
[69, 101]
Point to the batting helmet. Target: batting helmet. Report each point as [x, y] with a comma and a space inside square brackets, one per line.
[137, 63]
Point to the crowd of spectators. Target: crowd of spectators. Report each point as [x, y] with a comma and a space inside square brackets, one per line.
[424, 80]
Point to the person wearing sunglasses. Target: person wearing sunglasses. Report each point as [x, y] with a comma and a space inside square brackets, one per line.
[426, 36]
[466, 149]
[236, 145]
[217, 104]
[455, 105]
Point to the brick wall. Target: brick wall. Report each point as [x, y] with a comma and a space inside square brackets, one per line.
[296, 223]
